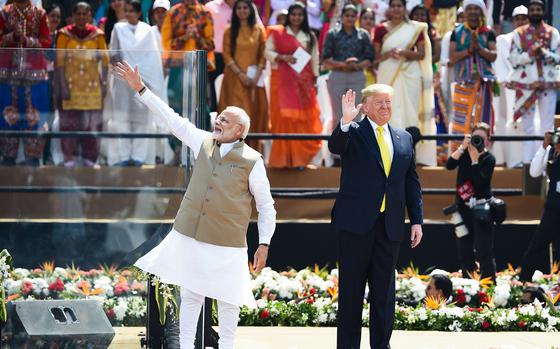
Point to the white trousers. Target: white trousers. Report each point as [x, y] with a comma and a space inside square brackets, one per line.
[510, 153]
[124, 149]
[547, 108]
[191, 304]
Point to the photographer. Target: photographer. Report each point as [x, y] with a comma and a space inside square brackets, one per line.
[546, 159]
[476, 166]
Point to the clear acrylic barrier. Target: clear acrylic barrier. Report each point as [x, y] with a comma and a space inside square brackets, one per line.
[85, 200]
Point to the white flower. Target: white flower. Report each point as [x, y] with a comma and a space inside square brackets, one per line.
[453, 312]
[322, 318]
[422, 314]
[104, 283]
[261, 303]
[537, 275]
[501, 295]
[511, 316]
[334, 272]
[12, 286]
[60, 272]
[40, 287]
[120, 309]
[20, 273]
[455, 326]
[528, 309]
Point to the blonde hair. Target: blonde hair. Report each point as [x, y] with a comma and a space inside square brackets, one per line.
[375, 89]
[244, 119]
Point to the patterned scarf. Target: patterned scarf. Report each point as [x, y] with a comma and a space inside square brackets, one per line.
[475, 65]
[525, 95]
[81, 33]
[185, 14]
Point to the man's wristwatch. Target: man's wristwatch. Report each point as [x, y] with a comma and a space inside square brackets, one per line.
[264, 245]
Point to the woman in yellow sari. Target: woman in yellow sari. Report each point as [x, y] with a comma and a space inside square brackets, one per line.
[404, 54]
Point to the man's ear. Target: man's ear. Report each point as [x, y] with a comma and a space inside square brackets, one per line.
[365, 108]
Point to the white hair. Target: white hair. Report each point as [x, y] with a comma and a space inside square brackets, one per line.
[244, 119]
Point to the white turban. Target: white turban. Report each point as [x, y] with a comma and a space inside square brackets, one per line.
[479, 3]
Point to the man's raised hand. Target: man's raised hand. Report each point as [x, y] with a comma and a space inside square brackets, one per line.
[349, 108]
[126, 73]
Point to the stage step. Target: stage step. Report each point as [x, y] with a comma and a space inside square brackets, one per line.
[155, 206]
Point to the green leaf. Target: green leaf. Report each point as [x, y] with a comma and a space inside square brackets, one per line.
[3, 312]
[161, 303]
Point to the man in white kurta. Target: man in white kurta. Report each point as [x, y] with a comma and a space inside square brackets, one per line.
[199, 255]
[534, 56]
[510, 153]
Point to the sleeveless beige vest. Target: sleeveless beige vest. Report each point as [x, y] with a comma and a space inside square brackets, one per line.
[216, 208]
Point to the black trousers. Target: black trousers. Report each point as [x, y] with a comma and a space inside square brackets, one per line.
[477, 246]
[212, 93]
[547, 231]
[370, 258]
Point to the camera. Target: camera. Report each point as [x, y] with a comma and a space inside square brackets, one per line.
[457, 220]
[555, 136]
[478, 142]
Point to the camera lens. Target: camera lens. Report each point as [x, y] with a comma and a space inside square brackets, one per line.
[478, 142]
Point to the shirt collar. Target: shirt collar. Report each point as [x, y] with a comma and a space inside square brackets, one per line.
[291, 32]
[375, 126]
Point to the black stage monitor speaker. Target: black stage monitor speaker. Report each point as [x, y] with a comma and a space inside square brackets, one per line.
[62, 324]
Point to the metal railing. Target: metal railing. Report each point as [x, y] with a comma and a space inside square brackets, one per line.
[285, 193]
[285, 136]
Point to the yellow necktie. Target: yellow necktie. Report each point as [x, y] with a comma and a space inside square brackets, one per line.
[385, 157]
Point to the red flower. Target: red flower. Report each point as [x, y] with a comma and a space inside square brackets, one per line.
[56, 286]
[482, 297]
[485, 325]
[460, 297]
[110, 313]
[521, 324]
[265, 314]
[310, 300]
[312, 290]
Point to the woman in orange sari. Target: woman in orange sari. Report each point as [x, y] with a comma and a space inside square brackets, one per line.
[242, 85]
[293, 97]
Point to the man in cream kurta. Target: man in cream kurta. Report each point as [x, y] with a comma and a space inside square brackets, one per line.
[206, 251]
[535, 53]
[510, 153]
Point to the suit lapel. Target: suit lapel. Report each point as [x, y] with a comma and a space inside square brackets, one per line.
[369, 134]
[396, 138]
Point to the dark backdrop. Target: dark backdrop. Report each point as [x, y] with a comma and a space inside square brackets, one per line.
[295, 245]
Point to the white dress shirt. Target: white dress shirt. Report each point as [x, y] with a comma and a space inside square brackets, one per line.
[193, 137]
[386, 133]
[502, 65]
[538, 164]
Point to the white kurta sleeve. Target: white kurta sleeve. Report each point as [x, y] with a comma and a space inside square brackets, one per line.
[553, 53]
[517, 55]
[180, 127]
[538, 164]
[260, 188]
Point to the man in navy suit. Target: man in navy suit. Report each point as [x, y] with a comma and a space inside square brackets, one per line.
[378, 179]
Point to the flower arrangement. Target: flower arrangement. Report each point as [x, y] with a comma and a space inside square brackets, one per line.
[5, 268]
[306, 297]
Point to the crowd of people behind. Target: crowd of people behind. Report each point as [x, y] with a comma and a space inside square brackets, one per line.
[287, 63]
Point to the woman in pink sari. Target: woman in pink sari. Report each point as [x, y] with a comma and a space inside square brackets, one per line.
[293, 96]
